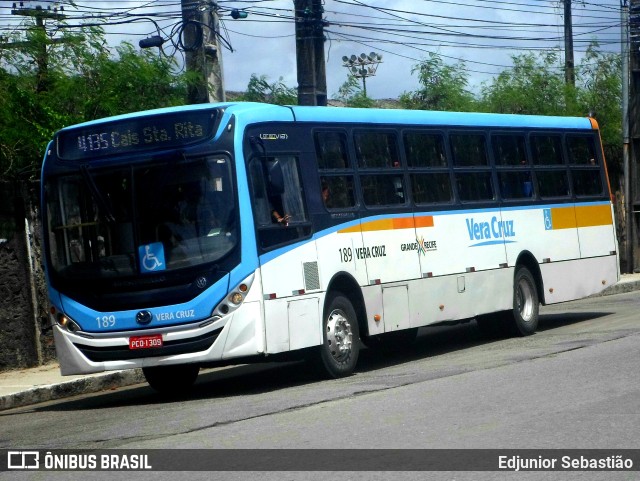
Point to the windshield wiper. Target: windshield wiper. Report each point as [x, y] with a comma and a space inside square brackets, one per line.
[103, 205]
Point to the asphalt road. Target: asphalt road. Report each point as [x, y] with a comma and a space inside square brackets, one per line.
[574, 384]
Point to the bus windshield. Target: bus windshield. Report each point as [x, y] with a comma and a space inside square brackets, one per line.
[146, 218]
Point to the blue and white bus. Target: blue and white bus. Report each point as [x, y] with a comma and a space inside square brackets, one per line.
[224, 233]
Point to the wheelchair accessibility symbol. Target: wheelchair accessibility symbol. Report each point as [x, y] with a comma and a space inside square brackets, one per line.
[548, 224]
[151, 257]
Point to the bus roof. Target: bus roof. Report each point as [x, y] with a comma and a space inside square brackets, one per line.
[260, 112]
[436, 118]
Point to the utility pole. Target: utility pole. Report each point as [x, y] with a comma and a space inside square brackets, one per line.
[42, 76]
[628, 204]
[202, 50]
[634, 129]
[318, 48]
[312, 78]
[569, 70]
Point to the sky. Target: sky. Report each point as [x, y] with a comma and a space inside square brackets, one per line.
[484, 34]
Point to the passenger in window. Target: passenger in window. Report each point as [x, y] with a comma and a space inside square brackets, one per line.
[276, 207]
[280, 219]
[326, 195]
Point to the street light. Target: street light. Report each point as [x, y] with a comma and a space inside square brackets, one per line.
[362, 66]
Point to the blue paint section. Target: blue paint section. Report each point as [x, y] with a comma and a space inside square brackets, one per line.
[197, 309]
[433, 118]
[146, 113]
[492, 243]
[256, 112]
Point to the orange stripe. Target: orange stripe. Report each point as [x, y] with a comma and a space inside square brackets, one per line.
[390, 224]
[581, 216]
[563, 217]
[592, 215]
[424, 221]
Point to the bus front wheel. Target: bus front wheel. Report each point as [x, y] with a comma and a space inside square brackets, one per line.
[524, 315]
[338, 354]
[173, 380]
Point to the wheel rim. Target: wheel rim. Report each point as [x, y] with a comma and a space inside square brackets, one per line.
[524, 300]
[339, 335]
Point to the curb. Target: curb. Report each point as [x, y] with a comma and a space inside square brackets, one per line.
[620, 288]
[84, 385]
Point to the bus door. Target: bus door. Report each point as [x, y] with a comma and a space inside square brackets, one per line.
[289, 262]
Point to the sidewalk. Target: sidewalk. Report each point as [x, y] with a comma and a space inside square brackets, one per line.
[24, 387]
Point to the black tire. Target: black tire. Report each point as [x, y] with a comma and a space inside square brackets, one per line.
[338, 354]
[523, 318]
[171, 380]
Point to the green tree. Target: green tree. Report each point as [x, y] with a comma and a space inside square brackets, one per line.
[534, 85]
[351, 94]
[442, 86]
[83, 81]
[600, 91]
[260, 90]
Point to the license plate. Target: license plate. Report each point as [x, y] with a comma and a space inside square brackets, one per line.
[145, 342]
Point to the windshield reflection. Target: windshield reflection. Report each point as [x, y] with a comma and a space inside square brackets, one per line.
[141, 220]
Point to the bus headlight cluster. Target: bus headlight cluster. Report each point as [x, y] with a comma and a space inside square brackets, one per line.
[237, 296]
[67, 323]
[234, 299]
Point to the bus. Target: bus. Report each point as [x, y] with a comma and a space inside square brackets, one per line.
[229, 233]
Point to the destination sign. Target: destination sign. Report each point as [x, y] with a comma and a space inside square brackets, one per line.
[140, 134]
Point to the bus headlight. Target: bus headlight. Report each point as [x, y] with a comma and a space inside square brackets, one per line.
[234, 299]
[67, 323]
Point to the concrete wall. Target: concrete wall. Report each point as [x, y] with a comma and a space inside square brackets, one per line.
[25, 340]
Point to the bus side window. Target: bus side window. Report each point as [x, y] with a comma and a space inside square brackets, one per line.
[469, 150]
[261, 208]
[581, 150]
[376, 150]
[552, 183]
[425, 149]
[474, 186]
[331, 149]
[515, 185]
[382, 190]
[587, 182]
[431, 188]
[286, 199]
[339, 191]
[547, 149]
[509, 150]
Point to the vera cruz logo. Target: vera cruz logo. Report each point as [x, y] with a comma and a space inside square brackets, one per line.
[488, 233]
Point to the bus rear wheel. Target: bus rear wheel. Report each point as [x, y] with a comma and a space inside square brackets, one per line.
[171, 380]
[524, 315]
[338, 354]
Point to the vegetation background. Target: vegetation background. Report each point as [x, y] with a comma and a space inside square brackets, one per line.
[45, 86]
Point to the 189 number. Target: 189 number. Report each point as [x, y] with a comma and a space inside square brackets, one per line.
[106, 321]
[346, 255]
